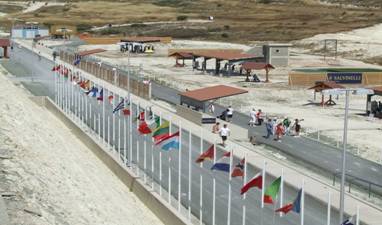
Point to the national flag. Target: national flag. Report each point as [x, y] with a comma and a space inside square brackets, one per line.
[110, 98]
[256, 181]
[209, 154]
[170, 142]
[92, 92]
[140, 116]
[272, 191]
[238, 170]
[77, 61]
[349, 221]
[295, 206]
[223, 163]
[143, 128]
[120, 106]
[161, 131]
[100, 95]
[56, 68]
[126, 111]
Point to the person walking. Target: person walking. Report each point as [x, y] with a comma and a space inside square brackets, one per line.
[297, 127]
[252, 116]
[269, 127]
[259, 118]
[224, 132]
[286, 124]
[279, 132]
[216, 128]
[229, 113]
[211, 108]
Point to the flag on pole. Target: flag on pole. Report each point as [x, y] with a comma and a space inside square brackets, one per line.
[126, 111]
[120, 106]
[238, 170]
[170, 142]
[141, 116]
[143, 128]
[56, 68]
[256, 181]
[77, 61]
[349, 221]
[110, 98]
[295, 206]
[223, 163]
[100, 95]
[92, 92]
[161, 131]
[272, 191]
[209, 154]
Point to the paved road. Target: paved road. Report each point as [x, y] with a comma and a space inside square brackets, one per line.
[315, 211]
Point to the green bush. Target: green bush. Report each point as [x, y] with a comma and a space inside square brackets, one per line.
[181, 18]
[82, 27]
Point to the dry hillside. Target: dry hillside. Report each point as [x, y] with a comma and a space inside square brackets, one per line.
[235, 20]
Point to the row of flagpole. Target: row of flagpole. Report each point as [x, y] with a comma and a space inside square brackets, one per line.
[77, 104]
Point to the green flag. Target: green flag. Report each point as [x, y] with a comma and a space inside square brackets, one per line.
[272, 191]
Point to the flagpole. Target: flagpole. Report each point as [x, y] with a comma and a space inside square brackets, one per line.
[244, 182]
[131, 133]
[145, 151]
[302, 202]
[86, 110]
[119, 132]
[214, 190]
[55, 82]
[152, 157]
[138, 137]
[160, 162]
[357, 218]
[103, 115]
[201, 182]
[108, 131]
[180, 166]
[124, 141]
[263, 184]
[169, 169]
[113, 125]
[229, 188]
[282, 190]
[189, 173]
[329, 209]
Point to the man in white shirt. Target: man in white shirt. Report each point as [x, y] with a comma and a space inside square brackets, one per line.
[224, 132]
[229, 113]
[252, 119]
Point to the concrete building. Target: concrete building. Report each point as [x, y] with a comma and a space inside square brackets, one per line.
[272, 53]
[29, 31]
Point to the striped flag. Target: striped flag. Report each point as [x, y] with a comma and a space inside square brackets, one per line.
[208, 154]
[120, 106]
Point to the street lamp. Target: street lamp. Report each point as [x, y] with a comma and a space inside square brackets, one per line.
[346, 91]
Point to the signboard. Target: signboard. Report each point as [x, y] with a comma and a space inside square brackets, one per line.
[345, 77]
[208, 120]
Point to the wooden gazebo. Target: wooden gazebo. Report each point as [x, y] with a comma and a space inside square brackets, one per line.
[324, 85]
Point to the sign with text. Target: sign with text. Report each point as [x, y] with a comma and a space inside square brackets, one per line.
[209, 120]
[345, 77]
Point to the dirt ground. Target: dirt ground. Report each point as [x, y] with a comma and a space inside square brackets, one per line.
[246, 21]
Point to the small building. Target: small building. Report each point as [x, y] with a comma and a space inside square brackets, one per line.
[63, 31]
[277, 54]
[29, 31]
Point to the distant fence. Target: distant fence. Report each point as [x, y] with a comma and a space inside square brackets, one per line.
[137, 87]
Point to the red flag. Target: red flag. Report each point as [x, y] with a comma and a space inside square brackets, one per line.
[160, 137]
[209, 154]
[144, 128]
[285, 209]
[110, 98]
[257, 181]
[126, 112]
[238, 171]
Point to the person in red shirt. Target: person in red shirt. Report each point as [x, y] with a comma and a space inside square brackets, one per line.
[279, 132]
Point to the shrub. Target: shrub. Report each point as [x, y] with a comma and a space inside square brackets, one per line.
[181, 18]
[224, 35]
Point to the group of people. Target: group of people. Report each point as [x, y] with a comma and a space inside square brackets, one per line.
[256, 118]
[279, 128]
[223, 132]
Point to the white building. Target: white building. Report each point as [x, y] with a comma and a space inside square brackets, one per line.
[29, 31]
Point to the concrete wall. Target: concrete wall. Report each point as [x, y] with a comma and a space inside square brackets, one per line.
[277, 55]
[189, 114]
[151, 199]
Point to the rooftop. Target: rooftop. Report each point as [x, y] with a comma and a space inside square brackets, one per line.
[90, 52]
[214, 92]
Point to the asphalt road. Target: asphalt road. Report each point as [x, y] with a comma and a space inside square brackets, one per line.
[315, 212]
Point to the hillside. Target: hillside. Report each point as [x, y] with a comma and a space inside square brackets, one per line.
[235, 20]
